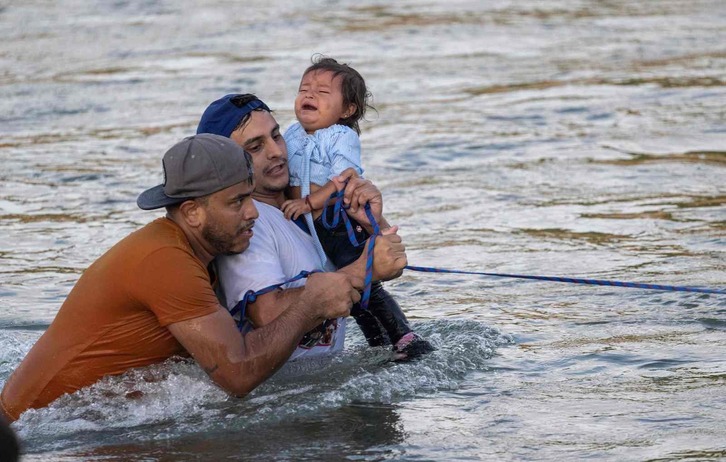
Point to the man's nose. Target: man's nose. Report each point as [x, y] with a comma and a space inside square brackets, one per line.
[250, 212]
[274, 151]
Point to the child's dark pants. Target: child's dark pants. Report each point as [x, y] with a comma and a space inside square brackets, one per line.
[384, 320]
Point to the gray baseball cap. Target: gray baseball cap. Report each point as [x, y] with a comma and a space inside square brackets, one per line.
[197, 166]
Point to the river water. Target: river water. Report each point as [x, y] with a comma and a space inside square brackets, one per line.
[570, 137]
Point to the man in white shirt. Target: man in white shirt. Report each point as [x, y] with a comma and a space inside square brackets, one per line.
[280, 250]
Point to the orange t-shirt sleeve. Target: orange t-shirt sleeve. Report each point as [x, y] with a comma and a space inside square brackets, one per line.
[174, 285]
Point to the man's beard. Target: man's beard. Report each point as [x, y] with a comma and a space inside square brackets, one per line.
[270, 189]
[221, 241]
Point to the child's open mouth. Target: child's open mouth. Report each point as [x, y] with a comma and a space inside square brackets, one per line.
[309, 107]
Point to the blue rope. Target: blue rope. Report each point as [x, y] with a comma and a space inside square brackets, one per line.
[597, 282]
[338, 210]
[368, 281]
[339, 214]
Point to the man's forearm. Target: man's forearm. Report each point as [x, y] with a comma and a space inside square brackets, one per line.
[269, 306]
[239, 363]
[381, 221]
[389, 261]
[267, 348]
[356, 272]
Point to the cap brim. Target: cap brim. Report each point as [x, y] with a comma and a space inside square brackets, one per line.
[155, 198]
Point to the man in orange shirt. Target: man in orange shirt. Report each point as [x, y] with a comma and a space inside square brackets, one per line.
[150, 296]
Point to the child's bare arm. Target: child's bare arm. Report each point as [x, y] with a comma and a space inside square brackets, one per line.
[293, 208]
[317, 198]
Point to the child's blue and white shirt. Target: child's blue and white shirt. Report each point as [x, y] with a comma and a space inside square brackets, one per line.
[318, 158]
[325, 154]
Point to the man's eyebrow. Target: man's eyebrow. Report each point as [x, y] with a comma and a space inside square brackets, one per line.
[254, 140]
[257, 139]
[240, 196]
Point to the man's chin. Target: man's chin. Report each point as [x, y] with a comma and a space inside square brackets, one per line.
[237, 249]
[272, 187]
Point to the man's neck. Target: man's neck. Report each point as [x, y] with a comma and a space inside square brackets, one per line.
[275, 199]
[197, 245]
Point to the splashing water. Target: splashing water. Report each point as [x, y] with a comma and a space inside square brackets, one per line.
[144, 403]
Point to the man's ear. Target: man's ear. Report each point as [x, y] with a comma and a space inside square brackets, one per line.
[350, 111]
[193, 213]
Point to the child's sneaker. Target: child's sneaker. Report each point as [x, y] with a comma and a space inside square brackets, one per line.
[411, 346]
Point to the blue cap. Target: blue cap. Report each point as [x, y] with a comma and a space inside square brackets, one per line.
[223, 116]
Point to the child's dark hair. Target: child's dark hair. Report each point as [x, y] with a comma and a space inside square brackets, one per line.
[352, 84]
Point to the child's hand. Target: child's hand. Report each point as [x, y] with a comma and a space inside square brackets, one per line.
[294, 208]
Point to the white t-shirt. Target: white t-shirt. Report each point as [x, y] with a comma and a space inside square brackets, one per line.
[279, 250]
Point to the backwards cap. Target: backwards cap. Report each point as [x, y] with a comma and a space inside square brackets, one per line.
[197, 166]
[223, 116]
